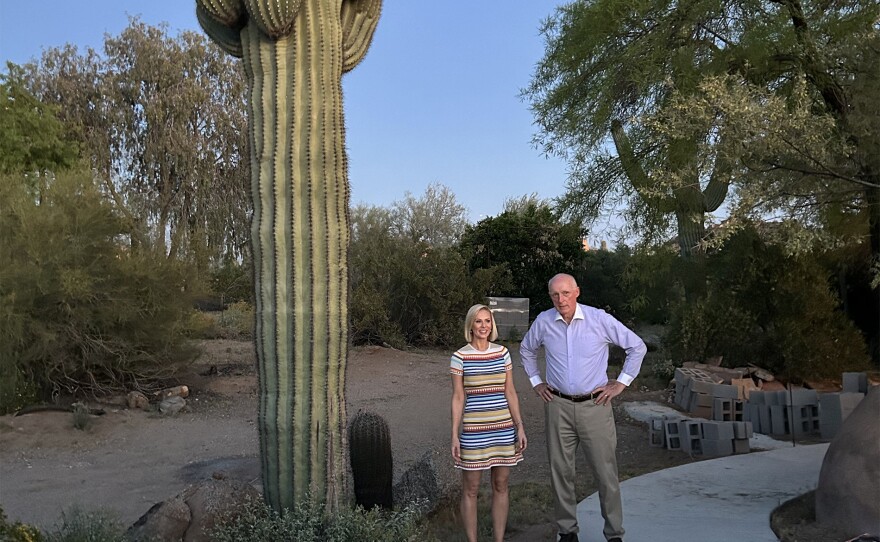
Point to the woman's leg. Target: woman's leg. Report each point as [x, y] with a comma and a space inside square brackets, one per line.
[470, 488]
[500, 501]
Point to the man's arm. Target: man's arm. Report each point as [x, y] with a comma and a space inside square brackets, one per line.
[528, 353]
[622, 336]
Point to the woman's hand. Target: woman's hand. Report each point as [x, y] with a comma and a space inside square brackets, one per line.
[521, 441]
[456, 449]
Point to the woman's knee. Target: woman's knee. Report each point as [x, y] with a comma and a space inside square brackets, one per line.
[500, 480]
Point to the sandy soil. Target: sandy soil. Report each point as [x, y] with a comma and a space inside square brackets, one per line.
[127, 460]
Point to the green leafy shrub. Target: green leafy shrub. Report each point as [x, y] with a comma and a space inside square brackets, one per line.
[771, 309]
[307, 522]
[17, 531]
[80, 310]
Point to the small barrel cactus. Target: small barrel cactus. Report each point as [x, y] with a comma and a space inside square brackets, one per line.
[369, 442]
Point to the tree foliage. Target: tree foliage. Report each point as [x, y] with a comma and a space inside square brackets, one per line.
[79, 313]
[771, 308]
[529, 244]
[162, 121]
[436, 218]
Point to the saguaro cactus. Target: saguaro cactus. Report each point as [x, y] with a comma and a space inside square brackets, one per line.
[294, 53]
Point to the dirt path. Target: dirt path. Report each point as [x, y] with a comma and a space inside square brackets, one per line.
[128, 460]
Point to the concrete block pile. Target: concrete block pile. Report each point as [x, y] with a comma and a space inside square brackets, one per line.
[736, 396]
[701, 437]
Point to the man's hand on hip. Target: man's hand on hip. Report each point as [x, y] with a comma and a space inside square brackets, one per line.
[608, 392]
[542, 390]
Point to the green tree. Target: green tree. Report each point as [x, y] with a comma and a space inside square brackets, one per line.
[162, 121]
[32, 139]
[435, 218]
[79, 313]
[770, 308]
[530, 243]
[606, 64]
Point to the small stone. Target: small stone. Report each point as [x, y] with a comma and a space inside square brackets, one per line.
[136, 399]
[172, 405]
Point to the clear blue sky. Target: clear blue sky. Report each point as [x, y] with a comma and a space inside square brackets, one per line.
[435, 100]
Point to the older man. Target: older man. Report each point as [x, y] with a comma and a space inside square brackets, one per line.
[577, 398]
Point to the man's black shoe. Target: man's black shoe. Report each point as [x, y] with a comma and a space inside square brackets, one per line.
[568, 537]
[615, 539]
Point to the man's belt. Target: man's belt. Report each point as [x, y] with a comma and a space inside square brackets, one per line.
[576, 398]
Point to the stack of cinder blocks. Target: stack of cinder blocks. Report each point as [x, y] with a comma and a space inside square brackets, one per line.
[704, 394]
[701, 437]
[835, 407]
[784, 412]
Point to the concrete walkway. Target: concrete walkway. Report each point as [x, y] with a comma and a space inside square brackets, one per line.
[717, 500]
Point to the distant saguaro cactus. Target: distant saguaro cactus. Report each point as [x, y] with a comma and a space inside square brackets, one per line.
[369, 441]
[295, 52]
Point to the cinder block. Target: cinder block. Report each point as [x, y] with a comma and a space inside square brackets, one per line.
[722, 410]
[801, 397]
[779, 420]
[855, 382]
[657, 433]
[725, 391]
[717, 448]
[833, 410]
[718, 431]
[739, 413]
[702, 386]
[764, 416]
[757, 398]
[741, 446]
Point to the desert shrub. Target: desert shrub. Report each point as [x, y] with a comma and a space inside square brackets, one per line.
[18, 531]
[308, 523]
[237, 321]
[80, 311]
[80, 526]
[232, 281]
[769, 308]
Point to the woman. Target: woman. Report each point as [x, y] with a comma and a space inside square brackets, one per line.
[487, 428]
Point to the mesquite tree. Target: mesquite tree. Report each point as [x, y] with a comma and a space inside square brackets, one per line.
[294, 54]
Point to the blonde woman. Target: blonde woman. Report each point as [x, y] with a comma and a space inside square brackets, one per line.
[487, 428]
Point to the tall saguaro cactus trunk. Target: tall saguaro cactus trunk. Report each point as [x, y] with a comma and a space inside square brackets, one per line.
[294, 53]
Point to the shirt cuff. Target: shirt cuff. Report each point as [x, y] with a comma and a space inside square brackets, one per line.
[624, 379]
[535, 380]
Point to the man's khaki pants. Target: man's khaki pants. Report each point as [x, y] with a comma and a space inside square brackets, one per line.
[572, 424]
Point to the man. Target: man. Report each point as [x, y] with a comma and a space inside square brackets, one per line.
[577, 398]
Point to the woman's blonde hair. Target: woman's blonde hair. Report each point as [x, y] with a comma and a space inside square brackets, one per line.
[469, 322]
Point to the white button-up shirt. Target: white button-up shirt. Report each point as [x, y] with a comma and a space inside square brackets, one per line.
[577, 353]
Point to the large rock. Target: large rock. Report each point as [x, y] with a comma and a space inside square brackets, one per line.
[190, 515]
[846, 497]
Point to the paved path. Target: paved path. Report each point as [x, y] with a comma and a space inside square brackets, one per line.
[718, 500]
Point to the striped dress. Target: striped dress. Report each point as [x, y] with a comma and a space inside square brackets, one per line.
[488, 434]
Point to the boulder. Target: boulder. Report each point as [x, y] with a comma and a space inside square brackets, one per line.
[419, 484]
[190, 515]
[846, 496]
[172, 405]
[136, 399]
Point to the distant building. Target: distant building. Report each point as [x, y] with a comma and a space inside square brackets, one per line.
[511, 316]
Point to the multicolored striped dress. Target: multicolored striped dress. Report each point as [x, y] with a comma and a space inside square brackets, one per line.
[488, 434]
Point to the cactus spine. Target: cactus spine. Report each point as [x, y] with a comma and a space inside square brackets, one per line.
[294, 53]
[369, 441]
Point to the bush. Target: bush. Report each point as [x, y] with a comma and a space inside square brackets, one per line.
[770, 309]
[81, 526]
[17, 531]
[80, 310]
[308, 523]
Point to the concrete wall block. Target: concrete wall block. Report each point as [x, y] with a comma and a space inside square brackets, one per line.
[757, 398]
[779, 420]
[718, 430]
[717, 448]
[725, 391]
[741, 446]
[855, 382]
[764, 416]
[801, 397]
[722, 410]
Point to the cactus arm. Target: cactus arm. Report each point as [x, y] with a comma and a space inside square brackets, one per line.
[635, 173]
[359, 20]
[227, 37]
[226, 12]
[275, 19]
[716, 189]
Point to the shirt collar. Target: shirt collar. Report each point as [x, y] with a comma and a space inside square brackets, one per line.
[578, 313]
